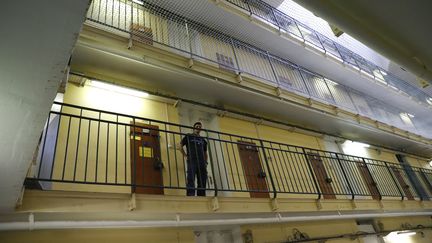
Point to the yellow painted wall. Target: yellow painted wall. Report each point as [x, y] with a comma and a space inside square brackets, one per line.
[291, 172]
[168, 235]
[119, 162]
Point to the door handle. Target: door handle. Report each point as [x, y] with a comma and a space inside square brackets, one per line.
[158, 165]
[262, 174]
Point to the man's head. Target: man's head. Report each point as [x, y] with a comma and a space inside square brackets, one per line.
[197, 128]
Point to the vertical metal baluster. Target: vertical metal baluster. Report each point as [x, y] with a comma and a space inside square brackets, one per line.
[67, 146]
[211, 164]
[217, 161]
[394, 180]
[77, 145]
[312, 174]
[268, 168]
[168, 156]
[175, 159]
[112, 13]
[106, 154]
[236, 163]
[97, 148]
[276, 20]
[43, 146]
[230, 165]
[223, 162]
[304, 81]
[273, 69]
[189, 38]
[328, 88]
[106, 11]
[133, 169]
[283, 166]
[375, 183]
[289, 158]
[297, 169]
[116, 150]
[125, 154]
[345, 176]
[235, 54]
[278, 166]
[100, 3]
[87, 150]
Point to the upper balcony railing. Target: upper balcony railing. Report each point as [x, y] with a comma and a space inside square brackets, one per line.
[158, 27]
[298, 30]
[85, 149]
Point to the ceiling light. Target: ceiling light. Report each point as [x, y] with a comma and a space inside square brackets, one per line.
[356, 144]
[118, 89]
[407, 233]
[138, 1]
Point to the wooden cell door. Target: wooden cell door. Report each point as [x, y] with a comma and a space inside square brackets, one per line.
[402, 183]
[368, 180]
[147, 169]
[254, 174]
[324, 181]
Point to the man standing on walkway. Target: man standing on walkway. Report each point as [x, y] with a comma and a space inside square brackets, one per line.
[196, 159]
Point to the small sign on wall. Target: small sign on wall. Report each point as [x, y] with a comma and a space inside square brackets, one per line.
[146, 152]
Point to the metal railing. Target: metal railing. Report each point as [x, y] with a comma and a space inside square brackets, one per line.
[152, 25]
[284, 22]
[81, 147]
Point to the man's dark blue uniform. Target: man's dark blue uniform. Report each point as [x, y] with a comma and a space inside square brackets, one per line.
[196, 147]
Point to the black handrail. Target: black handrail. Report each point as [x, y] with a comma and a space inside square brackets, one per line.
[88, 134]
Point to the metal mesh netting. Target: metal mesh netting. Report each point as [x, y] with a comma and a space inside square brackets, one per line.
[174, 25]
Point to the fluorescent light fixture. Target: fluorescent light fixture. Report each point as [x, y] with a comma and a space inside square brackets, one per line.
[363, 145]
[138, 1]
[407, 233]
[356, 144]
[410, 115]
[118, 89]
[384, 73]
[429, 100]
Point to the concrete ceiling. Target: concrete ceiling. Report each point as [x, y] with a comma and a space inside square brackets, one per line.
[37, 38]
[397, 29]
[95, 61]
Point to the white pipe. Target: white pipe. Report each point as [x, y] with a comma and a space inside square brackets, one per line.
[47, 225]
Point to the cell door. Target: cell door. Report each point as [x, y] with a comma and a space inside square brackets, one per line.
[402, 183]
[368, 180]
[146, 164]
[324, 181]
[254, 174]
